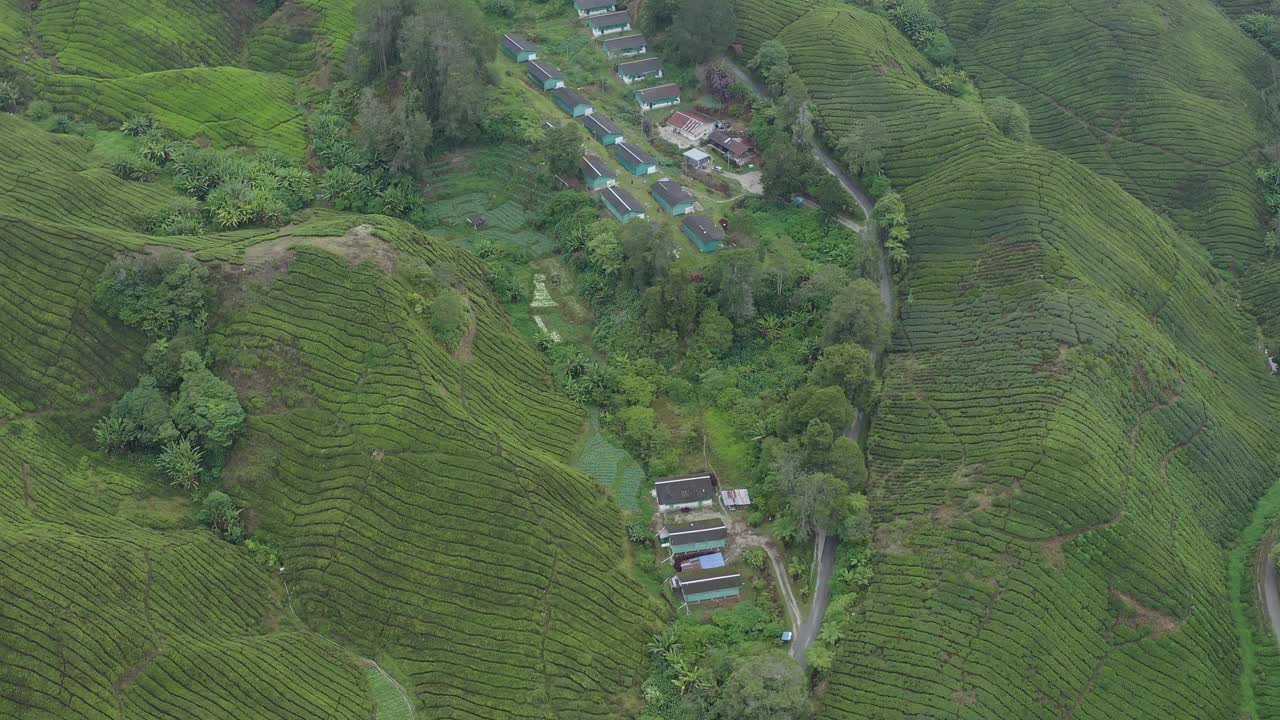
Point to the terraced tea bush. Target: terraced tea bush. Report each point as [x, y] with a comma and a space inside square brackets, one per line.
[1050, 473]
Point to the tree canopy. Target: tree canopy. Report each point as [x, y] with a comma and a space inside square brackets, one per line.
[764, 687]
[703, 29]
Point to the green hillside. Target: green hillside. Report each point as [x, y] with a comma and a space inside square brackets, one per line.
[1073, 429]
[1167, 99]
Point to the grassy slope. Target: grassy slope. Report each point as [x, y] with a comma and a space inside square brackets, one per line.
[1072, 411]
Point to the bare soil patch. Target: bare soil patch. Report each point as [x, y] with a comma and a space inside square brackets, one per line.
[1161, 623]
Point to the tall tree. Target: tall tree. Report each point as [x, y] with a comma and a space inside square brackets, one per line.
[646, 254]
[774, 65]
[562, 146]
[446, 48]
[702, 29]
[862, 148]
[400, 136]
[857, 315]
[376, 42]
[737, 274]
[764, 687]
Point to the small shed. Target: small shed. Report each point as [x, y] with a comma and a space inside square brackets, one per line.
[622, 205]
[685, 492]
[518, 48]
[705, 585]
[636, 161]
[672, 197]
[704, 233]
[735, 499]
[545, 75]
[691, 124]
[604, 130]
[656, 98]
[597, 173]
[628, 46]
[587, 8]
[571, 102]
[638, 70]
[691, 537]
[609, 23]
[476, 221]
[696, 159]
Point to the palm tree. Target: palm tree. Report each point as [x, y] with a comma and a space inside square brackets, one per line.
[771, 326]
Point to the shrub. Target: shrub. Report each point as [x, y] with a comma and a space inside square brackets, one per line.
[220, 513]
[948, 80]
[1009, 118]
[180, 462]
[345, 188]
[755, 558]
[39, 110]
[113, 433]
[139, 125]
[156, 294]
[62, 124]
[138, 169]
[638, 532]
[449, 319]
[232, 205]
[10, 95]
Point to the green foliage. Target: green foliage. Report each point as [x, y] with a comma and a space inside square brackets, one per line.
[1263, 28]
[862, 149]
[827, 404]
[10, 95]
[181, 463]
[764, 687]
[638, 532]
[773, 63]
[38, 110]
[646, 254]
[345, 188]
[113, 433]
[206, 407]
[562, 147]
[155, 293]
[145, 412]
[222, 515]
[847, 366]
[139, 125]
[1009, 117]
[701, 30]
[857, 315]
[400, 137]
[450, 317]
[755, 558]
[952, 81]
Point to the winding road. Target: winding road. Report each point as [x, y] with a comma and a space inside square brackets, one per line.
[825, 547]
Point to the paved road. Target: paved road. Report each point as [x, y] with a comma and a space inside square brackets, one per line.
[825, 546]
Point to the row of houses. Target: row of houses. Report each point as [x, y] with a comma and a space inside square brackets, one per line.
[697, 547]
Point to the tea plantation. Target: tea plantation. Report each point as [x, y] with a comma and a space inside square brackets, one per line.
[1073, 430]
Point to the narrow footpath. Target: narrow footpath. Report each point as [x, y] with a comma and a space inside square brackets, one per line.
[825, 547]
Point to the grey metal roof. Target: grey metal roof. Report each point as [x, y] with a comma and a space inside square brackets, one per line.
[569, 97]
[518, 43]
[670, 192]
[629, 42]
[640, 67]
[600, 125]
[685, 489]
[621, 201]
[544, 71]
[693, 582]
[660, 92]
[696, 532]
[593, 167]
[702, 226]
[610, 19]
[594, 4]
[634, 154]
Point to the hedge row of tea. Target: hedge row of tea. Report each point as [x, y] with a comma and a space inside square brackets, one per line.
[1164, 98]
[1072, 428]
[422, 500]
